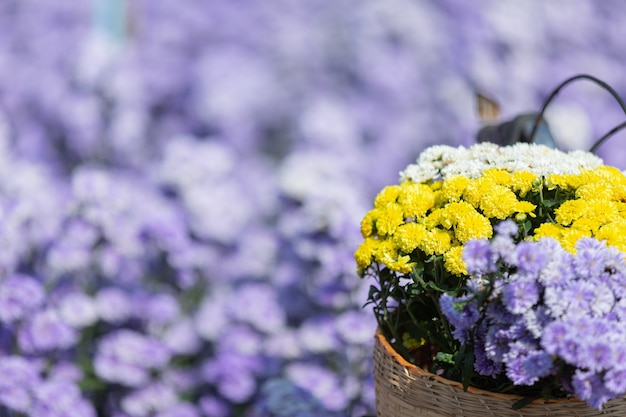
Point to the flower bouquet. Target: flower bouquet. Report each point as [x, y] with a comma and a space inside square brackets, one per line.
[500, 272]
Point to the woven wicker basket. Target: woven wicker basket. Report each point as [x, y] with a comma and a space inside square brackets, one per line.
[405, 390]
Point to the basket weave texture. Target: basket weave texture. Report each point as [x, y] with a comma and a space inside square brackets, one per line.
[405, 390]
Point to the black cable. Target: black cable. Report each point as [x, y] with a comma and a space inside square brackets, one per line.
[608, 135]
[563, 84]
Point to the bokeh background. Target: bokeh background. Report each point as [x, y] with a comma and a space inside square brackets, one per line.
[182, 181]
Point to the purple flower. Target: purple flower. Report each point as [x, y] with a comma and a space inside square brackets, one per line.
[213, 406]
[478, 257]
[19, 377]
[60, 398]
[553, 337]
[497, 342]
[78, 310]
[144, 402]
[589, 387]
[461, 312]
[538, 364]
[579, 295]
[596, 355]
[258, 305]
[127, 357]
[485, 365]
[355, 327]
[519, 295]
[20, 295]
[321, 382]
[507, 228]
[46, 331]
[615, 380]
[589, 261]
[181, 337]
[531, 258]
[179, 410]
[113, 304]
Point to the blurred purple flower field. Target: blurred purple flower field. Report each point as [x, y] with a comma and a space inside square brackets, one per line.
[181, 183]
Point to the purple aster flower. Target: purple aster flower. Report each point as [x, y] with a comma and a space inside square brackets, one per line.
[517, 372]
[485, 365]
[589, 261]
[59, 398]
[602, 300]
[519, 295]
[503, 248]
[237, 387]
[615, 381]
[258, 305]
[321, 382]
[158, 308]
[478, 257]
[181, 337]
[538, 364]
[319, 335]
[588, 387]
[240, 340]
[46, 331]
[355, 327]
[597, 355]
[113, 304]
[461, 312]
[211, 317]
[213, 406]
[179, 410]
[127, 357]
[77, 310]
[531, 258]
[146, 401]
[507, 228]
[579, 295]
[19, 377]
[497, 341]
[20, 295]
[67, 371]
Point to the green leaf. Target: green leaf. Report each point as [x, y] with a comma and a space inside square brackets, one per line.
[523, 402]
[468, 369]
[445, 358]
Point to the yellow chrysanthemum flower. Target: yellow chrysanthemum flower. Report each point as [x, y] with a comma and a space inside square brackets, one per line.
[474, 226]
[498, 176]
[453, 261]
[436, 242]
[367, 223]
[570, 211]
[415, 199]
[498, 202]
[386, 196]
[523, 182]
[403, 264]
[365, 253]
[453, 188]
[614, 233]
[388, 219]
[552, 230]
[409, 236]
[385, 252]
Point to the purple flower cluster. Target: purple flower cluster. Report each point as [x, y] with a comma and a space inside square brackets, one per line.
[549, 316]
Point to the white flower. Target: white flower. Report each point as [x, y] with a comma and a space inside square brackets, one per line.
[440, 162]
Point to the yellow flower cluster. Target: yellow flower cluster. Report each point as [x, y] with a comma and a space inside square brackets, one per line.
[439, 217]
[412, 222]
[598, 208]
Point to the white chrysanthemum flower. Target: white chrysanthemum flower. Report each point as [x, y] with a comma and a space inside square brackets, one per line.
[440, 161]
